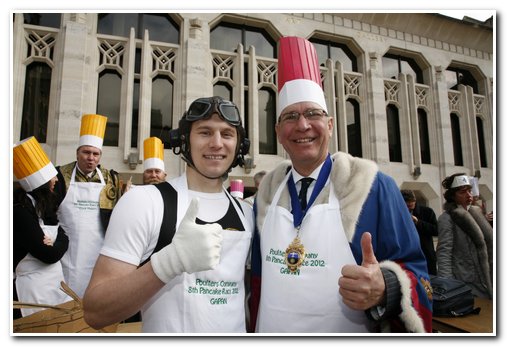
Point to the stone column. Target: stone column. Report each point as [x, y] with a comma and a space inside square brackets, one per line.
[377, 103]
[75, 71]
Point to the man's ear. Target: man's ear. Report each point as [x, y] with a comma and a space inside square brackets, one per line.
[330, 125]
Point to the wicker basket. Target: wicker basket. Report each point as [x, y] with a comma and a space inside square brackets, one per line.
[63, 318]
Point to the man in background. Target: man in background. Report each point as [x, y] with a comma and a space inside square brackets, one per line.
[154, 168]
[87, 195]
[257, 180]
[425, 222]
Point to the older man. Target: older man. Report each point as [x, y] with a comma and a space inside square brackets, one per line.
[87, 196]
[335, 249]
[154, 167]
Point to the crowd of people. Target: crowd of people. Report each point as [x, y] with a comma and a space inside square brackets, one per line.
[312, 251]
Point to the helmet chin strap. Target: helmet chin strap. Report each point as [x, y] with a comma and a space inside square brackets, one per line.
[200, 173]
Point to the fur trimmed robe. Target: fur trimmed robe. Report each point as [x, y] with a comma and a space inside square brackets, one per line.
[465, 248]
[369, 201]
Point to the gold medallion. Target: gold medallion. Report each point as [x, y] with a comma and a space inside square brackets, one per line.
[295, 255]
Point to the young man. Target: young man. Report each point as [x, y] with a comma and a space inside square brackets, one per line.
[196, 283]
[342, 255]
[87, 194]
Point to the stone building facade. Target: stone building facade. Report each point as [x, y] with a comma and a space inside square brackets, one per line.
[412, 91]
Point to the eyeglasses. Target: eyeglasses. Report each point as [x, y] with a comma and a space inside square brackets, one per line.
[205, 107]
[293, 117]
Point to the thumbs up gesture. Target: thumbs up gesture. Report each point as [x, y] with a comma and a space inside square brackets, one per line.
[362, 286]
[194, 248]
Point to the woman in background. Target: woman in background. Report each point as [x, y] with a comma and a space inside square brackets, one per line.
[465, 238]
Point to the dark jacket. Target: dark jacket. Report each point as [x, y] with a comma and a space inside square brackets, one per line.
[28, 235]
[427, 227]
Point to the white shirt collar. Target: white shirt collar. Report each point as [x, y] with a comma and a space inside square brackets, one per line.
[314, 174]
[89, 175]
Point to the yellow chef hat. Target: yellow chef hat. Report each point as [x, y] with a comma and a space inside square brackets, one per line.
[93, 128]
[32, 166]
[153, 154]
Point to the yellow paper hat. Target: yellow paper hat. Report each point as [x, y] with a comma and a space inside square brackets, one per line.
[93, 128]
[153, 154]
[32, 166]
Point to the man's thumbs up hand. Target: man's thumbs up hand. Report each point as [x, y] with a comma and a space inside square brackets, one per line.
[367, 248]
[194, 248]
[362, 286]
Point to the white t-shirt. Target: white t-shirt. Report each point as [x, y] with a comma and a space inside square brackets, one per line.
[187, 303]
[133, 231]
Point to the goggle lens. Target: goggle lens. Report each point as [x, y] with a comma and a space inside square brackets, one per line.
[200, 109]
[197, 110]
[230, 113]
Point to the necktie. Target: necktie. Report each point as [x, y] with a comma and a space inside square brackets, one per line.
[305, 183]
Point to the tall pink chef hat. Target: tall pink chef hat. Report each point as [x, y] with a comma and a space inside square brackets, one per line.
[298, 73]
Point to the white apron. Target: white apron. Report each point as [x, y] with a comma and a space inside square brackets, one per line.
[38, 282]
[208, 301]
[308, 300]
[79, 215]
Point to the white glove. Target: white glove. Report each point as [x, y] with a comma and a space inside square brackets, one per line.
[194, 248]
